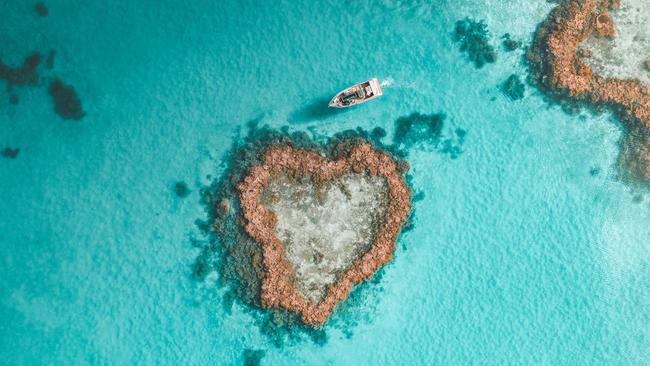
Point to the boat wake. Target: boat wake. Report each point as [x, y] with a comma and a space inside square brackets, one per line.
[391, 83]
[386, 83]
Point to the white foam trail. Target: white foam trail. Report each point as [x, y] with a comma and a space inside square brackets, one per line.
[386, 83]
[390, 82]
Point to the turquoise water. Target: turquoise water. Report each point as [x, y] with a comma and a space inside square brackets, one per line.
[518, 255]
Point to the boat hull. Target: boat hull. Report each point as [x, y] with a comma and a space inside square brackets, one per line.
[357, 94]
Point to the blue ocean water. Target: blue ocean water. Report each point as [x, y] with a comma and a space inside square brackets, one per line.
[526, 248]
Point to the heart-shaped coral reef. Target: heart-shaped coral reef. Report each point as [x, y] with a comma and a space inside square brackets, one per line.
[323, 225]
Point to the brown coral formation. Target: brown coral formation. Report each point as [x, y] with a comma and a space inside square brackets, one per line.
[277, 287]
[647, 65]
[563, 73]
[584, 53]
[604, 26]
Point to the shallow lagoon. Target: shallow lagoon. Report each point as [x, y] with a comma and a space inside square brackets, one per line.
[525, 247]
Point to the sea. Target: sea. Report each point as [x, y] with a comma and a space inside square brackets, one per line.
[526, 246]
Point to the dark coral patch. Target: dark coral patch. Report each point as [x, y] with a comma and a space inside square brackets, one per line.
[378, 133]
[594, 171]
[66, 102]
[451, 148]
[13, 99]
[422, 130]
[418, 196]
[509, 44]
[453, 145]
[513, 88]
[474, 39]
[40, 9]
[181, 189]
[418, 127]
[26, 74]
[9, 153]
[460, 133]
[253, 357]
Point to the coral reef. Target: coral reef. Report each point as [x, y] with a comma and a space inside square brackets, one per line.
[594, 171]
[474, 39]
[9, 153]
[426, 130]
[604, 26]
[238, 258]
[557, 69]
[418, 127]
[510, 44]
[40, 9]
[584, 53]
[453, 145]
[65, 99]
[181, 189]
[253, 357]
[227, 251]
[278, 281]
[26, 74]
[66, 102]
[513, 88]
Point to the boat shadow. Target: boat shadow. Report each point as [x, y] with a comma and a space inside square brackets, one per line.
[317, 109]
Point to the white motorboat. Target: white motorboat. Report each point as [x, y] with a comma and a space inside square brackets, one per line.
[357, 94]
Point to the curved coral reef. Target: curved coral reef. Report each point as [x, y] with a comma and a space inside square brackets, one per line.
[559, 68]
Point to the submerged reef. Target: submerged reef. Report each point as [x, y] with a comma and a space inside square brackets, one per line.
[509, 44]
[559, 67]
[418, 127]
[474, 39]
[513, 88]
[26, 74]
[253, 357]
[181, 189]
[66, 102]
[40, 9]
[295, 239]
[9, 153]
[421, 130]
